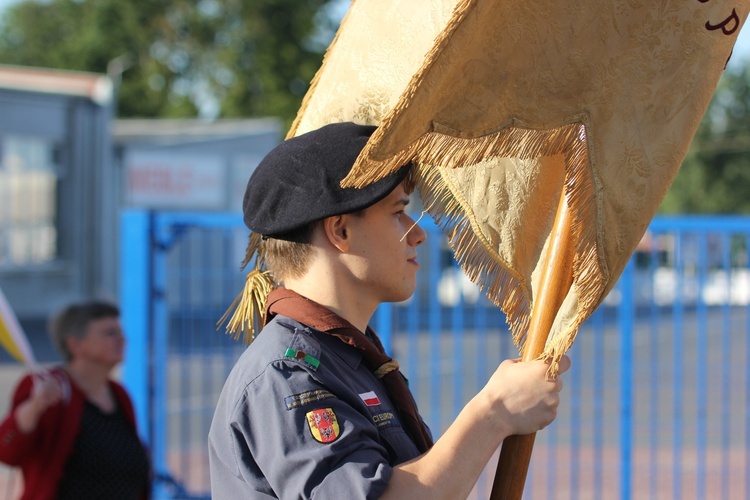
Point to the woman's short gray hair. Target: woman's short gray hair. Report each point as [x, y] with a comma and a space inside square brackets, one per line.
[73, 321]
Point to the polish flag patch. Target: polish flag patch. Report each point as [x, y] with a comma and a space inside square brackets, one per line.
[370, 398]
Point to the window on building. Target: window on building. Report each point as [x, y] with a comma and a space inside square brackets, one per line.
[28, 205]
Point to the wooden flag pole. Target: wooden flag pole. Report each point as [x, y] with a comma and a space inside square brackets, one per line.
[556, 279]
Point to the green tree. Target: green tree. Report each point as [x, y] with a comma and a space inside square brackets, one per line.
[715, 176]
[184, 58]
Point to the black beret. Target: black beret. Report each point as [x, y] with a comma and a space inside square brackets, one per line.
[299, 181]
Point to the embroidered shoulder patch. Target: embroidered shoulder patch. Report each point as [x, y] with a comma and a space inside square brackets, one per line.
[323, 425]
[303, 356]
[303, 398]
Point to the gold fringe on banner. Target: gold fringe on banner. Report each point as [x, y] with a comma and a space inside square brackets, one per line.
[481, 262]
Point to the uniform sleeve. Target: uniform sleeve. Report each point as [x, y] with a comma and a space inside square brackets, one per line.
[15, 446]
[306, 441]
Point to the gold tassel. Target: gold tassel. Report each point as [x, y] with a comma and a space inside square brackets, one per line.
[249, 306]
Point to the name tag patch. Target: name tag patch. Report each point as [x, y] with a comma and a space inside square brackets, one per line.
[323, 425]
[384, 419]
[303, 398]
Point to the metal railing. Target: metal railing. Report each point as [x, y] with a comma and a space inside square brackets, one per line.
[655, 406]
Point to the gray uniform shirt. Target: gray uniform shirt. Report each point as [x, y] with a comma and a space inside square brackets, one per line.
[302, 416]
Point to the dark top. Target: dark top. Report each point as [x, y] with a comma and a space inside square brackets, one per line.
[42, 454]
[108, 460]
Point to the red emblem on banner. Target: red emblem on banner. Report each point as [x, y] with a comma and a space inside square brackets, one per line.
[323, 425]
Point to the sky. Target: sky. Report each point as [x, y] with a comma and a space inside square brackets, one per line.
[741, 53]
[5, 3]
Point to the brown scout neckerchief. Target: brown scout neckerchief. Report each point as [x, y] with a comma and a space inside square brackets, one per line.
[295, 306]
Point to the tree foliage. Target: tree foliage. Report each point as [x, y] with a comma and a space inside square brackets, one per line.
[181, 58]
[233, 58]
[715, 176]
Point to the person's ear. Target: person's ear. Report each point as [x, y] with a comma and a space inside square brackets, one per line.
[335, 229]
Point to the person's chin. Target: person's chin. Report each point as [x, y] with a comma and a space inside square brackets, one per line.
[402, 295]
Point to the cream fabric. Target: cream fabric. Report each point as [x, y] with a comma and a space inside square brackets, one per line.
[502, 104]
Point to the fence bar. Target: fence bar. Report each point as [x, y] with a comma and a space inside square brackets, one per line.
[626, 313]
[457, 358]
[575, 422]
[621, 357]
[726, 365]
[598, 369]
[701, 366]
[384, 318]
[654, 385]
[159, 362]
[135, 276]
[677, 370]
[412, 325]
[435, 347]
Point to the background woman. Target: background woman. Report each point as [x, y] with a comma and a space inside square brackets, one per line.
[71, 429]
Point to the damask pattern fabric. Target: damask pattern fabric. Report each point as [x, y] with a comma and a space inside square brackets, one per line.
[507, 105]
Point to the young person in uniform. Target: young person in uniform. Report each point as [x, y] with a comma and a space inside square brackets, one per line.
[314, 408]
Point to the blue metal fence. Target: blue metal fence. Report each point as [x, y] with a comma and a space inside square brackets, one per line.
[655, 406]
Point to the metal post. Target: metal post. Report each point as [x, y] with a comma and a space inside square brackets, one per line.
[626, 313]
[135, 273]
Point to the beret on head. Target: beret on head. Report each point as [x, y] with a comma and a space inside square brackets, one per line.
[299, 181]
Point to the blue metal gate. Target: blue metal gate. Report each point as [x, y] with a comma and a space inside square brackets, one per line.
[655, 406]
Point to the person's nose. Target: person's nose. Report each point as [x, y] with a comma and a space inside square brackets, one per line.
[416, 235]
